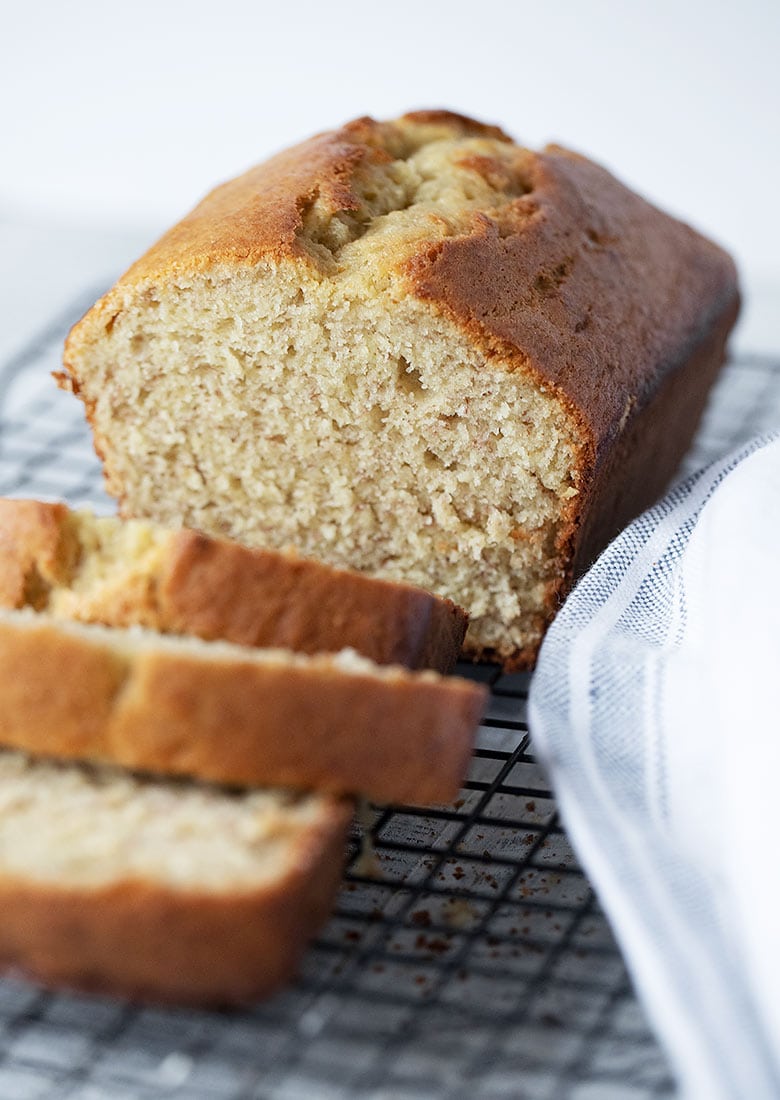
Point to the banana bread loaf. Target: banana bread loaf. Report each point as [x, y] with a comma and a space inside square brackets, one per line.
[416, 349]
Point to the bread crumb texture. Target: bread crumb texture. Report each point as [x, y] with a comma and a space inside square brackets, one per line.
[118, 566]
[78, 826]
[284, 382]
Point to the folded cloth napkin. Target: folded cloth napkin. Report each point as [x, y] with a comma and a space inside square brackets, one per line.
[655, 707]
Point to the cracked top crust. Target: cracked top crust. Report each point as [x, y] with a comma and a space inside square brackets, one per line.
[280, 208]
[416, 349]
[537, 256]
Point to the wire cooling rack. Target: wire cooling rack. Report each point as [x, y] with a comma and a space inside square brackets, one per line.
[467, 956]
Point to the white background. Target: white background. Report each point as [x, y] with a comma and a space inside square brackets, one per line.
[116, 118]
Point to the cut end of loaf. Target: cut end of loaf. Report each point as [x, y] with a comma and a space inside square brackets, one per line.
[314, 399]
[423, 497]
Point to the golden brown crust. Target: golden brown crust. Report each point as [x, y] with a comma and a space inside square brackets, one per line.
[258, 217]
[306, 723]
[147, 941]
[573, 280]
[651, 447]
[265, 598]
[218, 589]
[597, 292]
[456, 123]
[584, 259]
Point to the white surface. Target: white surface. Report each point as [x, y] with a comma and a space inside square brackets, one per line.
[126, 114]
[654, 707]
[46, 264]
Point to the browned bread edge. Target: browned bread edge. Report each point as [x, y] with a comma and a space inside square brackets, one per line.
[149, 942]
[76, 691]
[218, 589]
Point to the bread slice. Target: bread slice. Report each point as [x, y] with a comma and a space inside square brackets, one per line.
[416, 349]
[227, 714]
[77, 566]
[160, 890]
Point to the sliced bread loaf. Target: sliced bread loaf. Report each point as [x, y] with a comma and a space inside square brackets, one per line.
[161, 890]
[417, 349]
[78, 566]
[230, 714]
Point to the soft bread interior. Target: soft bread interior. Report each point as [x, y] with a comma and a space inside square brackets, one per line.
[100, 567]
[317, 403]
[115, 558]
[77, 826]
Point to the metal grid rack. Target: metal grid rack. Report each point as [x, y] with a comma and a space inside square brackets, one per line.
[467, 956]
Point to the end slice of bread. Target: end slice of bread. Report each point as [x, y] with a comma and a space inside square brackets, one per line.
[79, 566]
[160, 890]
[230, 714]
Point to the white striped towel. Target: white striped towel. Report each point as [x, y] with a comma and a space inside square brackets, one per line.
[655, 708]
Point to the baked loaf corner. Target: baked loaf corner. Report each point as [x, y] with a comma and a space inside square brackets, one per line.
[416, 349]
